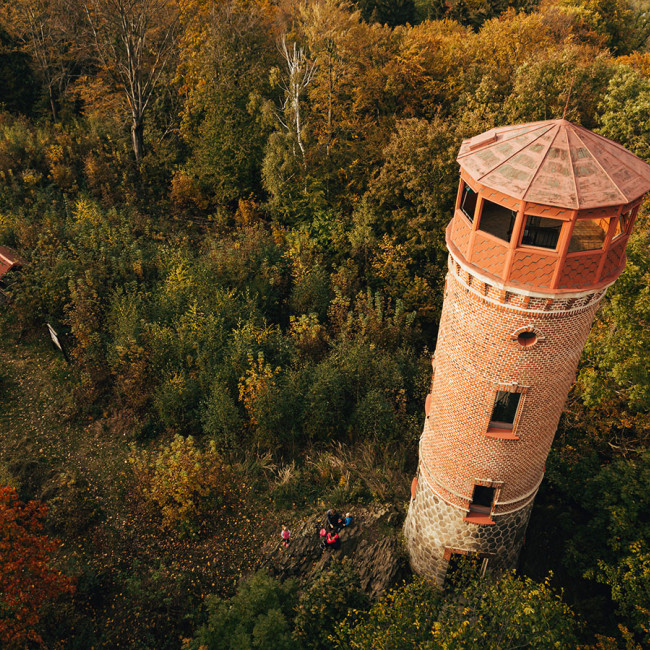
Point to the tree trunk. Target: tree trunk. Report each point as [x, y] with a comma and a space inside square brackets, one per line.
[52, 104]
[137, 138]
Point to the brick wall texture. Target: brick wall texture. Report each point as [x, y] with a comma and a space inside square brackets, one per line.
[477, 354]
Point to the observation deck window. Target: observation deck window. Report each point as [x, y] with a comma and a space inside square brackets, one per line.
[468, 202]
[497, 220]
[541, 232]
[589, 235]
[622, 224]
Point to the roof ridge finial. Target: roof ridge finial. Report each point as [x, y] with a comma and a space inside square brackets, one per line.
[568, 97]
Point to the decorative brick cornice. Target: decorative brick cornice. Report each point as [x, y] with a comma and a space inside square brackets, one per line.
[520, 301]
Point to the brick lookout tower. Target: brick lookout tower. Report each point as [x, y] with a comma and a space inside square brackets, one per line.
[542, 218]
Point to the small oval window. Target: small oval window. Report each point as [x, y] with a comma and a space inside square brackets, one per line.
[526, 339]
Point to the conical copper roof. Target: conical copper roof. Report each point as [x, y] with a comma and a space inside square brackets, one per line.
[555, 163]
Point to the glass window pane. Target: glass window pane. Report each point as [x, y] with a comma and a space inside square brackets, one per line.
[541, 231]
[622, 224]
[497, 220]
[588, 235]
[468, 201]
[505, 409]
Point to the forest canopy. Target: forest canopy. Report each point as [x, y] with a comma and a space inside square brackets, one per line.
[233, 214]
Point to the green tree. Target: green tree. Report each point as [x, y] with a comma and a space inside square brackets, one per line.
[567, 75]
[387, 12]
[469, 12]
[402, 619]
[46, 31]
[614, 380]
[629, 580]
[221, 419]
[414, 193]
[616, 21]
[133, 42]
[346, 110]
[626, 111]
[18, 86]
[327, 601]
[183, 483]
[477, 613]
[617, 499]
[505, 612]
[225, 55]
[257, 616]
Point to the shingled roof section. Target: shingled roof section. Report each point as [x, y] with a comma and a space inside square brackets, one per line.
[9, 260]
[555, 163]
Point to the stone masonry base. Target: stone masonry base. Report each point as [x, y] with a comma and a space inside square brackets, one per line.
[434, 530]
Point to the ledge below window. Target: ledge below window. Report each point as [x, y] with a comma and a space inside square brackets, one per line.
[478, 518]
[501, 434]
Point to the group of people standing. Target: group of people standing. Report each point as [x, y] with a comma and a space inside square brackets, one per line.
[329, 535]
[330, 539]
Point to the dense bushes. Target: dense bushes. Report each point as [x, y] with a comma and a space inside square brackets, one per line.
[475, 613]
[198, 341]
[332, 613]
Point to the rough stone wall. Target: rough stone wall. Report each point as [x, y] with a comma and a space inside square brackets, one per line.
[370, 547]
[434, 529]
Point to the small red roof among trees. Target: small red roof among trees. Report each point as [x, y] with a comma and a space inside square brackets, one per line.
[555, 163]
[9, 260]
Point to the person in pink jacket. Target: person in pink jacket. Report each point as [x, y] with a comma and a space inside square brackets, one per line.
[285, 534]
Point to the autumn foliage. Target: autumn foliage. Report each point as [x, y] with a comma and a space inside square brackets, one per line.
[234, 214]
[27, 580]
[183, 482]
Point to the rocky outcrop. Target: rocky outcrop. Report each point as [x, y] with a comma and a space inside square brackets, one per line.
[372, 544]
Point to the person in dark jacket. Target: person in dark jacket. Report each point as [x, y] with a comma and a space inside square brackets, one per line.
[334, 520]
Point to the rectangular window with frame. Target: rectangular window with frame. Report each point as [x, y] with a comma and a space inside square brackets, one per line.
[497, 220]
[480, 507]
[482, 499]
[468, 201]
[504, 414]
[622, 224]
[588, 235]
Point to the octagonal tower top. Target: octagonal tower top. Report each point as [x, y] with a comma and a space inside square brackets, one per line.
[555, 163]
[545, 208]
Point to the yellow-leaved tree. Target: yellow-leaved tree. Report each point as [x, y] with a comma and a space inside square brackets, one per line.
[183, 483]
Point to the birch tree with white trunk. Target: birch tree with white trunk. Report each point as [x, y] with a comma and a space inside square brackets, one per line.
[134, 42]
